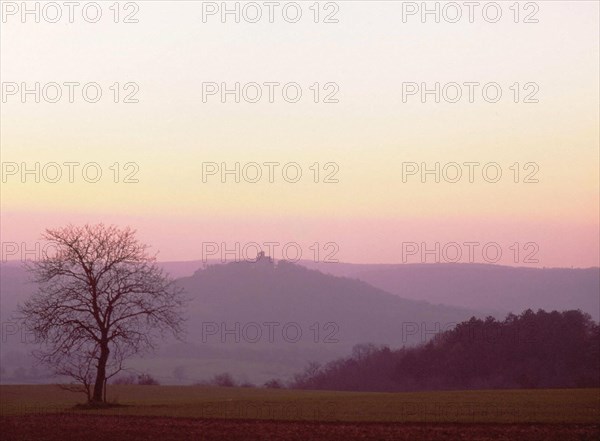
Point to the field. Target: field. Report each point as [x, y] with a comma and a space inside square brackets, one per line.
[189, 412]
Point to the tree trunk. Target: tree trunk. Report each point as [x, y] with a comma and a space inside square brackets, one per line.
[101, 374]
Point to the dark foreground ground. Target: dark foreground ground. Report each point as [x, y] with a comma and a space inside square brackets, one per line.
[65, 427]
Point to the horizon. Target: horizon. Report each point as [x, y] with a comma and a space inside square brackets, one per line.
[325, 264]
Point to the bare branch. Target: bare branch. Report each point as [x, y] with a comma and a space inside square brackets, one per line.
[101, 299]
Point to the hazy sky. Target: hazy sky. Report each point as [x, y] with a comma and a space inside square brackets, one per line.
[368, 134]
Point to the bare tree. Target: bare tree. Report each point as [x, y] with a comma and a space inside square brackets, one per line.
[101, 299]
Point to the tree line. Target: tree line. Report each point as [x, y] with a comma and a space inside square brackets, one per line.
[531, 350]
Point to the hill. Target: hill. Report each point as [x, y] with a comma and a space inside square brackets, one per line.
[486, 287]
[263, 320]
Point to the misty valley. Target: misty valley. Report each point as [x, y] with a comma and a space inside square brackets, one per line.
[256, 320]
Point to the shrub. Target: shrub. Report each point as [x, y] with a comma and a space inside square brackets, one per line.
[147, 380]
[223, 380]
[273, 384]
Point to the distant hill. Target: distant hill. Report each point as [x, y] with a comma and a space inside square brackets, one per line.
[285, 292]
[482, 286]
[495, 289]
[301, 315]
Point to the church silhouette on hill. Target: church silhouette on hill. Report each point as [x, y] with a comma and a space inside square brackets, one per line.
[263, 260]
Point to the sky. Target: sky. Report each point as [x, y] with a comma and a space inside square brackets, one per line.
[366, 207]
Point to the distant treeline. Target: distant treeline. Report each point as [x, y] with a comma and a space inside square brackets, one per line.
[531, 350]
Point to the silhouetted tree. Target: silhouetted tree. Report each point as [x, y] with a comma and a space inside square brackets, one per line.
[101, 299]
